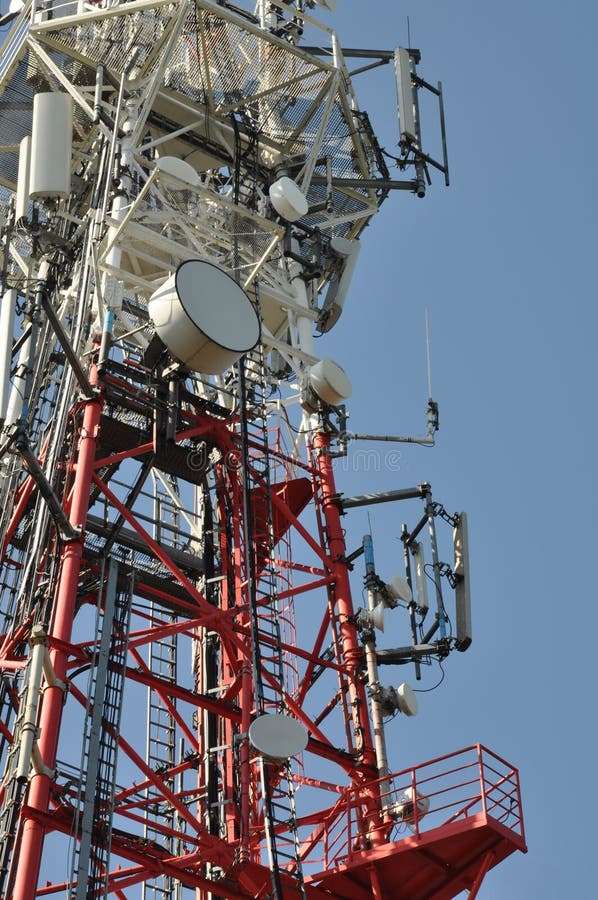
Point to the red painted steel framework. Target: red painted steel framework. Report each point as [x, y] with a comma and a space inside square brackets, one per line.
[347, 849]
[174, 567]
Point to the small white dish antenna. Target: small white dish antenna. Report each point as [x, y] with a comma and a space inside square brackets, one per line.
[329, 382]
[288, 201]
[405, 807]
[277, 737]
[407, 701]
[174, 170]
[401, 698]
[204, 317]
[398, 589]
[371, 618]
[377, 617]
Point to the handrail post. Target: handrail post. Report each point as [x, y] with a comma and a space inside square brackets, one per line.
[482, 779]
[519, 806]
[415, 798]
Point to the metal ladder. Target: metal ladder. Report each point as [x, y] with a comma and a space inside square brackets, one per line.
[160, 755]
[161, 727]
[14, 791]
[277, 782]
[90, 861]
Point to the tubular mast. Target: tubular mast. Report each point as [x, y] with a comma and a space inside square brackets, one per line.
[190, 704]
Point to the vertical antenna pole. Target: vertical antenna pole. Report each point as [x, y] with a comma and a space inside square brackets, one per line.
[412, 605]
[372, 667]
[440, 612]
[432, 406]
[8, 303]
[352, 652]
[443, 134]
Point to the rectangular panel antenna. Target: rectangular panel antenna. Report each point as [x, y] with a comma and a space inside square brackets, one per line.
[461, 573]
[407, 101]
[420, 578]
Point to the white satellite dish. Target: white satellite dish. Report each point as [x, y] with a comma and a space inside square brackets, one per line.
[377, 616]
[278, 737]
[329, 382]
[174, 170]
[288, 201]
[409, 802]
[371, 618]
[398, 589]
[406, 699]
[204, 317]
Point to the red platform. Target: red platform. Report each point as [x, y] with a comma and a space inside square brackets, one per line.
[467, 820]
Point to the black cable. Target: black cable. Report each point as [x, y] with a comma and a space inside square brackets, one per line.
[428, 690]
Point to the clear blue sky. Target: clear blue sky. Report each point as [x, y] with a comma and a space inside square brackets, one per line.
[505, 262]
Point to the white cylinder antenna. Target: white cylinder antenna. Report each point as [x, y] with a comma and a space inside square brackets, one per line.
[7, 321]
[51, 140]
[22, 195]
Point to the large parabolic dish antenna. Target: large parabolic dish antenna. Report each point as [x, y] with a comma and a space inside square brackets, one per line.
[204, 317]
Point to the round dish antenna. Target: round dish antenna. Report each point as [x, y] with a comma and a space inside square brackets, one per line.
[410, 806]
[288, 201]
[174, 170]
[398, 589]
[278, 737]
[406, 700]
[204, 318]
[402, 698]
[329, 382]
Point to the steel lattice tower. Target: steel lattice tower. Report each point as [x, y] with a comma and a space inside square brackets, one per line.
[190, 702]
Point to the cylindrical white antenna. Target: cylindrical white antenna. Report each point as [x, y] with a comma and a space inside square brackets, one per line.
[13, 404]
[7, 321]
[22, 195]
[51, 139]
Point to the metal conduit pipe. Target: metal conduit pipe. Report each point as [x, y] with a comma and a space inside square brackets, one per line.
[39, 643]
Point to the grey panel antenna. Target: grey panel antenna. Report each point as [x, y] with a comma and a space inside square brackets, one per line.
[461, 573]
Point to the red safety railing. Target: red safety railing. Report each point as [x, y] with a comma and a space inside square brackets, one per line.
[450, 789]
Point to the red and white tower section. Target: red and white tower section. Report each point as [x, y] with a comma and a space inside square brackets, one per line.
[192, 704]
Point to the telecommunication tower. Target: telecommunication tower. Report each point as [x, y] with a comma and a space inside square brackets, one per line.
[191, 703]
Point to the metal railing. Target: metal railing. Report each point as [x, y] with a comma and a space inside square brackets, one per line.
[464, 785]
